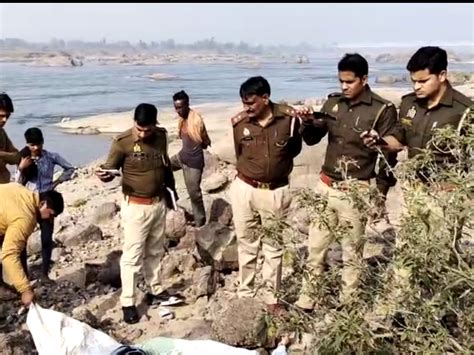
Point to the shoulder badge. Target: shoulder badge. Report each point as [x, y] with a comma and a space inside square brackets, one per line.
[335, 108]
[411, 113]
[334, 94]
[238, 118]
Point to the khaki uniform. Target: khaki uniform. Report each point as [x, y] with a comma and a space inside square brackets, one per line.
[371, 111]
[143, 209]
[417, 124]
[261, 192]
[8, 155]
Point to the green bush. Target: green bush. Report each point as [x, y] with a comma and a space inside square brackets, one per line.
[432, 311]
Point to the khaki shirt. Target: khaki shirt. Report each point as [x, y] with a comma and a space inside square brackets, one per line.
[266, 153]
[8, 155]
[417, 122]
[371, 111]
[143, 164]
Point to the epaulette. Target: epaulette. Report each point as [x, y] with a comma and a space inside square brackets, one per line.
[238, 118]
[382, 100]
[285, 110]
[334, 94]
[123, 135]
[409, 94]
[462, 99]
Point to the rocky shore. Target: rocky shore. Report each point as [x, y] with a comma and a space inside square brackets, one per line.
[200, 264]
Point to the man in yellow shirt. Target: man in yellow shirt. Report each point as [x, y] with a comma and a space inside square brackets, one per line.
[20, 210]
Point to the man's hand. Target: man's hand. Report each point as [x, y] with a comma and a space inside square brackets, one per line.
[372, 139]
[27, 298]
[305, 113]
[24, 163]
[104, 176]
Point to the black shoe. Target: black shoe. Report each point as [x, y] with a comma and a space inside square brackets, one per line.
[155, 300]
[130, 315]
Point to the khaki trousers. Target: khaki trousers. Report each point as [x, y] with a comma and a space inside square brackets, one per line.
[143, 245]
[339, 211]
[251, 207]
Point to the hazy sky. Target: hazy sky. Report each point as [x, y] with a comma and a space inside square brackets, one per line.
[254, 23]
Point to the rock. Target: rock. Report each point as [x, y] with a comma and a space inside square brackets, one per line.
[390, 79]
[241, 324]
[80, 235]
[109, 273]
[77, 277]
[175, 224]
[217, 245]
[214, 182]
[187, 262]
[224, 150]
[211, 164]
[221, 211]
[57, 253]
[105, 212]
[205, 281]
[188, 241]
[82, 314]
[302, 59]
[19, 342]
[33, 245]
[75, 62]
[87, 130]
[169, 267]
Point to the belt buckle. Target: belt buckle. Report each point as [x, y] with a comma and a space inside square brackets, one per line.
[263, 185]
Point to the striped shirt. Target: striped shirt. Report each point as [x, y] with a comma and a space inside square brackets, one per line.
[46, 163]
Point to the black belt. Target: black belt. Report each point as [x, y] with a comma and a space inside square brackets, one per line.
[263, 185]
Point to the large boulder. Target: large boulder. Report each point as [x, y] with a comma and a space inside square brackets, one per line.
[217, 245]
[105, 212]
[214, 182]
[175, 224]
[107, 273]
[211, 164]
[80, 235]
[205, 281]
[241, 323]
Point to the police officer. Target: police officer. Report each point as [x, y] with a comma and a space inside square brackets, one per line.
[433, 104]
[266, 140]
[8, 152]
[141, 153]
[344, 116]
